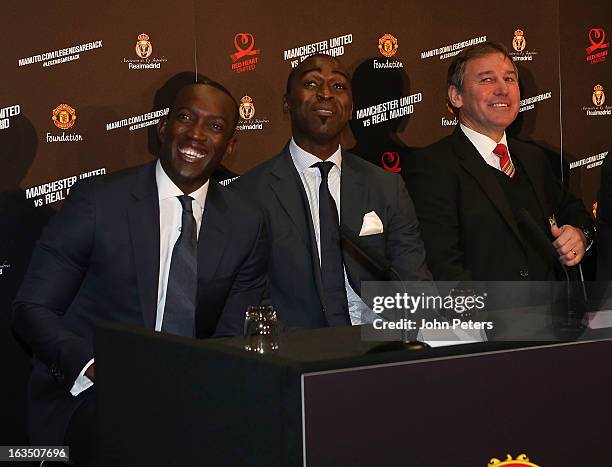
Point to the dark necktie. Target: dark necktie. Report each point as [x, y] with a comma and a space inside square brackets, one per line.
[179, 311]
[332, 269]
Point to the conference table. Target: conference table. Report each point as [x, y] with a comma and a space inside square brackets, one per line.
[328, 398]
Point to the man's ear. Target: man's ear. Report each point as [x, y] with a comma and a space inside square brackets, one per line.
[454, 96]
[229, 150]
[161, 128]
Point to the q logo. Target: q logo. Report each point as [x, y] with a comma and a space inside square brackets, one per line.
[391, 161]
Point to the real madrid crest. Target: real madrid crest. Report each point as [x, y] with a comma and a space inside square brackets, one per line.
[64, 116]
[387, 45]
[598, 95]
[144, 48]
[519, 42]
[520, 461]
[247, 108]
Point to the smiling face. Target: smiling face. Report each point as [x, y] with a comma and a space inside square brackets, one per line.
[196, 135]
[489, 100]
[320, 103]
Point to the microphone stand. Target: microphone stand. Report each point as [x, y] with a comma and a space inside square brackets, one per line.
[572, 317]
[385, 266]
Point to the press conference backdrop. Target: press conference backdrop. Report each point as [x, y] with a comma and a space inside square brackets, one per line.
[84, 83]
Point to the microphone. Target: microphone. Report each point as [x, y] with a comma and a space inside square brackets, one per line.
[386, 271]
[382, 264]
[572, 316]
[542, 240]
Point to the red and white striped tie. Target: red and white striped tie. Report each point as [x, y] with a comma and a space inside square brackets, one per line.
[505, 163]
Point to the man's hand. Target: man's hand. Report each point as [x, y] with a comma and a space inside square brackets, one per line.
[570, 243]
[90, 372]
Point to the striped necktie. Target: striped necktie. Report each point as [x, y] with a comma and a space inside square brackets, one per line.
[505, 163]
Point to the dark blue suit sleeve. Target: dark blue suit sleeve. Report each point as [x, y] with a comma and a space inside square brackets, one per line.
[404, 246]
[56, 271]
[248, 286]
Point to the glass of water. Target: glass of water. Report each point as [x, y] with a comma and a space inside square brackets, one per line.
[261, 329]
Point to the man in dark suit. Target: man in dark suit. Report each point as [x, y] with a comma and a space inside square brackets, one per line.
[313, 282]
[604, 223]
[158, 246]
[478, 193]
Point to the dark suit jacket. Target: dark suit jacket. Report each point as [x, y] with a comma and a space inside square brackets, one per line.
[604, 223]
[98, 260]
[293, 267]
[469, 229]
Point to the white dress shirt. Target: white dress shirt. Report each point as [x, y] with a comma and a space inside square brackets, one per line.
[170, 220]
[485, 145]
[170, 214]
[311, 179]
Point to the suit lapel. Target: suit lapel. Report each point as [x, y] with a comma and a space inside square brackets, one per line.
[143, 213]
[212, 239]
[353, 195]
[353, 202]
[289, 190]
[292, 200]
[533, 173]
[473, 162]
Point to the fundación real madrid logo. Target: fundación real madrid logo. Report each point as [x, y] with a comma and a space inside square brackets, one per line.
[520, 461]
[387, 45]
[143, 48]
[247, 108]
[599, 96]
[247, 121]
[64, 116]
[519, 42]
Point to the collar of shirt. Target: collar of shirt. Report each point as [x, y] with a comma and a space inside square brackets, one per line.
[167, 189]
[485, 145]
[303, 159]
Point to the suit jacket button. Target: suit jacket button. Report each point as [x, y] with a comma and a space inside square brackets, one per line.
[524, 273]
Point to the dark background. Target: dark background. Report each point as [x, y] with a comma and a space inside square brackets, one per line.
[199, 37]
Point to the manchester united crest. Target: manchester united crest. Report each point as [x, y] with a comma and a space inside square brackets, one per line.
[598, 95]
[247, 108]
[64, 116]
[519, 42]
[520, 461]
[144, 48]
[387, 45]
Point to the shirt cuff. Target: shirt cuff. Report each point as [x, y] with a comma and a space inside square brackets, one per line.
[82, 382]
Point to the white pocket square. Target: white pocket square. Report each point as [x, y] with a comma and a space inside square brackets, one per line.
[371, 224]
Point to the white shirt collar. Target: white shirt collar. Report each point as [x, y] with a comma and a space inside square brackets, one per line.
[303, 159]
[483, 144]
[167, 189]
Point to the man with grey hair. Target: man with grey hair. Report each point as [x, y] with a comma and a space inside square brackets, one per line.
[486, 202]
